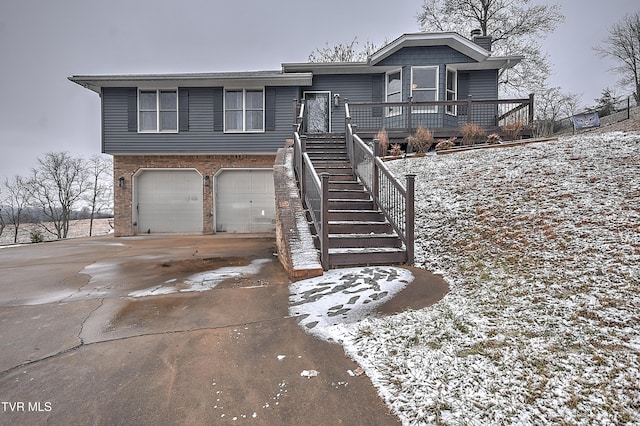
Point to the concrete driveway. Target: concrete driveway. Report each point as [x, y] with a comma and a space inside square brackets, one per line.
[77, 348]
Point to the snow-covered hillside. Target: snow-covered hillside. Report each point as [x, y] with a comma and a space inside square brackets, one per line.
[541, 247]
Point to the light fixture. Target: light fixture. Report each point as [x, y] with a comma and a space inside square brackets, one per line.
[207, 180]
[121, 182]
[336, 99]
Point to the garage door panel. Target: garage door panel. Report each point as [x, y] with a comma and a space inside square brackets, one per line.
[245, 201]
[169, 201]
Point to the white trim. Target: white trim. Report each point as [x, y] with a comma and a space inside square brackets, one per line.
[329, 103]
[455, 90]
[158, 110]
[244, 109]
[427, 110]
[389, 111]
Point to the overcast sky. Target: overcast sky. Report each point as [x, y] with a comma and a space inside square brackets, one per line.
[42, 42]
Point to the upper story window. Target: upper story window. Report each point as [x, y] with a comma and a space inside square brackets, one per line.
[394, 91]
[452, 90]
[158, 111]
[424, 87]
[244, 110]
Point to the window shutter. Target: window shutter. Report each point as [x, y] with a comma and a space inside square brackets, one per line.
[183, 109]
[270, 109]
[218, 112]
[132, 109]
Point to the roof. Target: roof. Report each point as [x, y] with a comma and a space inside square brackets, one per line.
[245, 79]
[451, 39]
[301, 74]
[483, 57]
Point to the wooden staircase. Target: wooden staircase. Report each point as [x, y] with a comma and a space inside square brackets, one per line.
[359, 233]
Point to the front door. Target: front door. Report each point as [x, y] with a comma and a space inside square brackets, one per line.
[318, 112]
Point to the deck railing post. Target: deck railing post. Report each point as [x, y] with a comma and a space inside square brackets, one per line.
[469, 104]
[376, 178]
[324, 232]
[303, 143]
[354, 129]
[531, 117]
[409, 113]
[409, 217]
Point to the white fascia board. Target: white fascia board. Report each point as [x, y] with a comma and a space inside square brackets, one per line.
[160, 81]
[492, 63]
[328, 68]
[451, 39]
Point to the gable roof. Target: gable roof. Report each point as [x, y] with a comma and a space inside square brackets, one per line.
[423, 39]
[482, 57]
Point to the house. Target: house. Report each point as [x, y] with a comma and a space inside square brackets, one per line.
[193, 153]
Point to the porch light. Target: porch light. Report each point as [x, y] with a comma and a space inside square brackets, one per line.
[207, 180]
[336, 99]
[121, 182]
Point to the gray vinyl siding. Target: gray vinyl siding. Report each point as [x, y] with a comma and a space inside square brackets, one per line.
[201, 138]
[483, 84]
[355, 87]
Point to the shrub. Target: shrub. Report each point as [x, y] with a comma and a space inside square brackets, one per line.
[422, 140]
[36, 236]
[383, 137]
[494, 139]
[513, 130]
[396, 150]
[472, 133]
[446, 143]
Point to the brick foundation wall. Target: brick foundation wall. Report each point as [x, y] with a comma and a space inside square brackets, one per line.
[296, 250]
[127, 166]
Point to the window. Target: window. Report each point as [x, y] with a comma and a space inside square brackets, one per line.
[244, 110]
[424, 87]
[394, 92]
[452, 91]
[158, 111]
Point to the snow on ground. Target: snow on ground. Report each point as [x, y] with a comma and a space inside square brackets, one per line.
[343, 296]
[541, 247]
[203, 281]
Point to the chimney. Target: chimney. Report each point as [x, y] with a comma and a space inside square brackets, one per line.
[480, 40]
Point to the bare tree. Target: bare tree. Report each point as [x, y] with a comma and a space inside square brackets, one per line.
[17, 201]
[343, 52]
[553, 104]
[516, 26]
[623, 46]
[100, 193]
[57, 184]
[2, 222]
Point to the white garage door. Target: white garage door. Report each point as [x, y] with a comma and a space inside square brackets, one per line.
[169, 201]
[244, 201]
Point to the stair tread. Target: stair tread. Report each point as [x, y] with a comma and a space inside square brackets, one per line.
[357, 222]
[369, 235]
[354, 211]
[364, 250]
